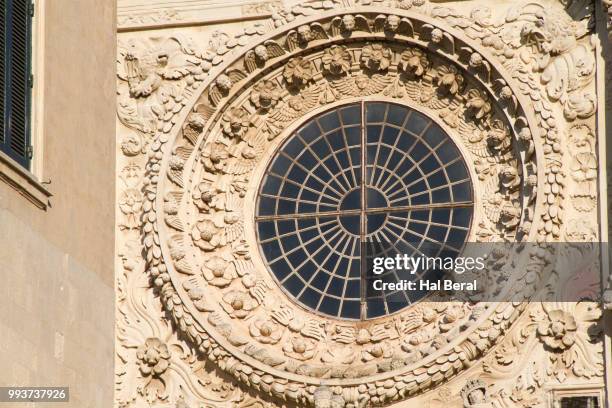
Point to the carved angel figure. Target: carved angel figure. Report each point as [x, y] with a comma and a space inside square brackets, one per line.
[583, 169]
[336, 60]
[305, 34]
[361, 84]
[393, 24]
[450, 79]
[167, 61]
[436, 36]
[154, 74]
[223, 84]
[130, 204]
[376, 57]
[349, 23]
[257, 57]
[294, 108]
[298, 72]
[413, 62]
[265, 95]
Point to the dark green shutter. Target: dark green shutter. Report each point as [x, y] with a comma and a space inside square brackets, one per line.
[16, 79]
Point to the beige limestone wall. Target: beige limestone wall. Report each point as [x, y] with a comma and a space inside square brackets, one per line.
[56, 265]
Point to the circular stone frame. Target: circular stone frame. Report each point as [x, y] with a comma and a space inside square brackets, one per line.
[252, 360]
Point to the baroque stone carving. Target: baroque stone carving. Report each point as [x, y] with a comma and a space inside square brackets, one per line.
[201, 256]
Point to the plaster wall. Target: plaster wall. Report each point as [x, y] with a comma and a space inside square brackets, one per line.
[56, 256]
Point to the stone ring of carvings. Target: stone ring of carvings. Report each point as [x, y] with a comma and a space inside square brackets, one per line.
[407, 380]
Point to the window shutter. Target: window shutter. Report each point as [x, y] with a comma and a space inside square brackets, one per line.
[2, 73]
[16, 79]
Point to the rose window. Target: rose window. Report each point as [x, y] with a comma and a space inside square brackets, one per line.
[362, 180]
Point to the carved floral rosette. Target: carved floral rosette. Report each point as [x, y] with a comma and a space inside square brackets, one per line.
[201, 185]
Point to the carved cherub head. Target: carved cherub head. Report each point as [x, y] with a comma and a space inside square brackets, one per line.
[392, 23]
[305, 33]
[580, 139]
[224, 82]
[437, 35]
[261, 52]
[475, 60]
[348, 22]
[296, 103]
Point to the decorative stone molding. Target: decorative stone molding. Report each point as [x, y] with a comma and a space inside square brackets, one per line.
[208, 123]
[135, 15]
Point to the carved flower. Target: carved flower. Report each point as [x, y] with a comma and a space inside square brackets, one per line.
[376, 57]
[336, 60]
[559, 330]
[130, 204]
[266, 331]
[450, 79]
[206, 235]
[235, 122]
[478, 104]
[204, 196]
[298, 71]
[218, 272]
[414, 61]
[299, 348]
[153, 357]
[214, 160]
[238, 304]
[375, 351]
[131, 145]
[265, 95]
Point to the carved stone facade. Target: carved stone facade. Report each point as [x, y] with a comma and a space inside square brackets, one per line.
[201, 321]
